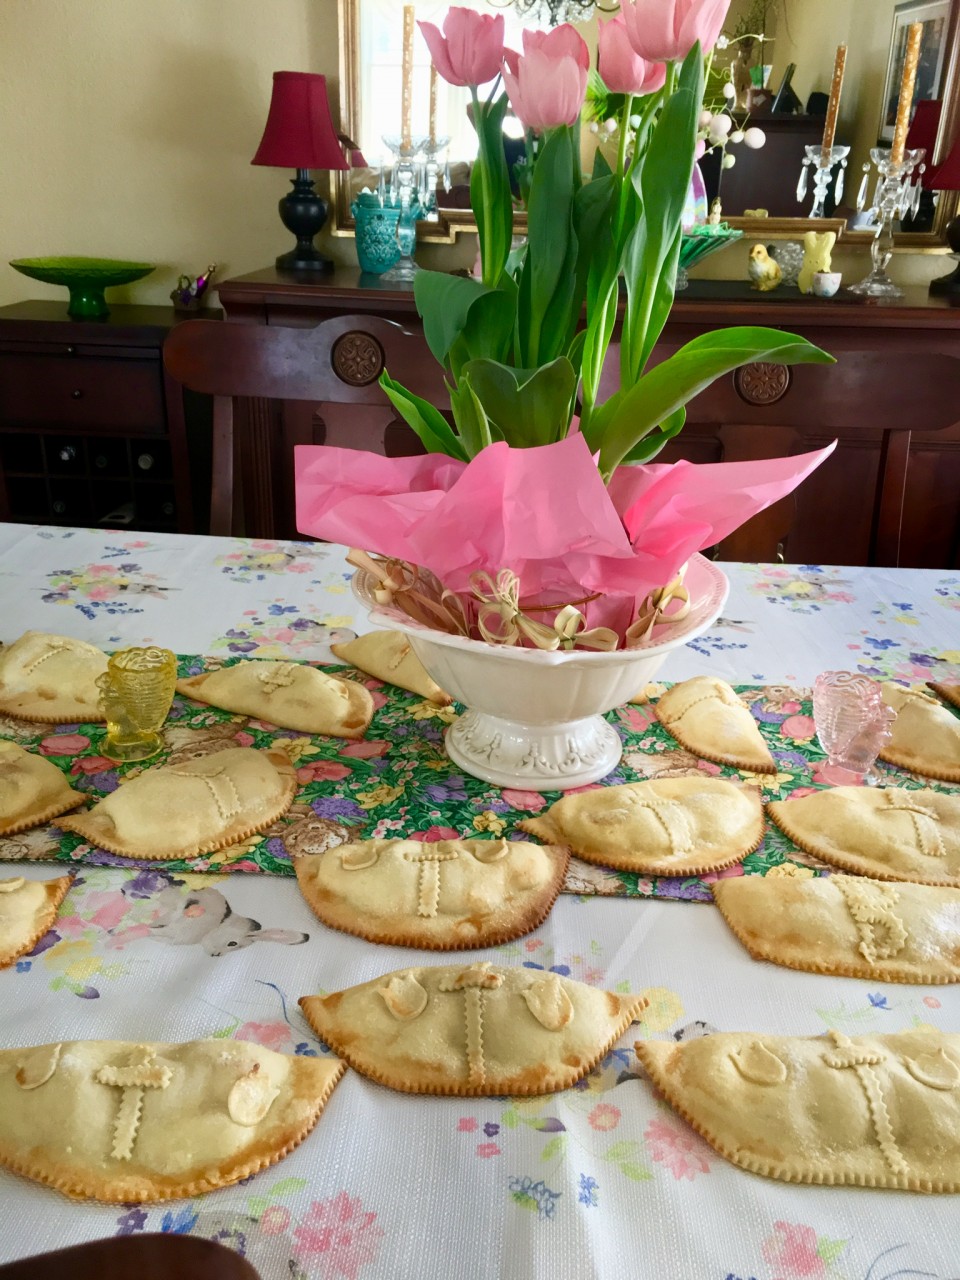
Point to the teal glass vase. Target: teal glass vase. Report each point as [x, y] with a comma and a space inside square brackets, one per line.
[377, 246]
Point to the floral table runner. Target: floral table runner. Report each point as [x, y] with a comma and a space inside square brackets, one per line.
[398, 782]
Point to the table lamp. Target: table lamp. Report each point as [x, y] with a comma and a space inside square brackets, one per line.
[300, 135]
[946, 177]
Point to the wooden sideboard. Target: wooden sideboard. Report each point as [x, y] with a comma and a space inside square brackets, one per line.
[890, 494]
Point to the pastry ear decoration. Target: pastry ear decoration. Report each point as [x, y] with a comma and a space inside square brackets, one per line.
[403, 996]
[549, 1003]
[251, 1097]
[37, 1065]
[937, 1070]
[758, 1065]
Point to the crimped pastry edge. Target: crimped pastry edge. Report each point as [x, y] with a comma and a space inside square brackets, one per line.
[898, 759]
[865, 970]
[500, 1088]
[429, 944]
[663, 868]
[123, 1193]
[56, 890]
[83, 717]
[286, 800]
[768, 766]
[948, 692]
[851, 862]
[73, 801]
[652, 1063]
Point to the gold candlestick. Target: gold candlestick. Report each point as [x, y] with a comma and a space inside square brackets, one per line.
[433, 105]
[406, 100]
[911, 58]
[833, 107]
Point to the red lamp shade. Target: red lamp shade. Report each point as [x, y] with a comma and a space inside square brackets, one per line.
[299, 133]
[923, 133]
[946, 177]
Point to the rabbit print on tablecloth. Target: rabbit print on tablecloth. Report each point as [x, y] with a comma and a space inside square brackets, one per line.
[203, 917]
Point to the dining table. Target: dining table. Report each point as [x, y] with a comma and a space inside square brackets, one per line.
[601, 1180]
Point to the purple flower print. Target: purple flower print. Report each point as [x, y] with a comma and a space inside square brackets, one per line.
[337, 807]
[454, 788]
[145, 884]
[132, 1221]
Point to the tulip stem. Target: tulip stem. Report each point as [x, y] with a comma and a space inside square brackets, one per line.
[624, 129]
[483, 159]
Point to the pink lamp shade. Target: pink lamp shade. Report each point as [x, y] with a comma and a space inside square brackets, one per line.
[299, 133]
[923, 133]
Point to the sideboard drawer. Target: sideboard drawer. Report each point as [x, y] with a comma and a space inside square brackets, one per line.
[82, 391]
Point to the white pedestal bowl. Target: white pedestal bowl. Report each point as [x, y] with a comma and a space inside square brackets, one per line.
[535, 718]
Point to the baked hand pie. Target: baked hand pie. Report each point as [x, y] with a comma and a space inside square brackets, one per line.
[184, 810]
[949, 692]
[389, 656]
[887, 832]
[472, 1030]
[925, 737]
[446, 895]
[705, 715]
[52, 679]
[124, 1122]
[291, 695]
[874, 1111]
[847, 925]
[32, 790]
[664, 827]
[27, 910]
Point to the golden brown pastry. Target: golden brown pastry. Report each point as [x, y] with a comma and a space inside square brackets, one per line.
[665, 827]
[925, 736]
[199, 806]
[444, 896]
[472, 1030]
[291, 695]
[27, 910]
[32, 790]
[52, 679]
[890, 833]
[706, 716]
[949, 692]
[874, 1111]
[388, 656]
[848, 925]
[125, 1122]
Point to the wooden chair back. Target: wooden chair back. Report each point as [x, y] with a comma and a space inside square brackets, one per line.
[274, 387]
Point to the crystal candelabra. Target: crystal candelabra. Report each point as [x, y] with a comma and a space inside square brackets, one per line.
[406, 187]
[431, 170]
[894, 197]
[822, 160]
[852, 722]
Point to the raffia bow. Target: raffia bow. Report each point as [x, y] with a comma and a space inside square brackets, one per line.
[415, 593]
[652, 611]
[502, 621]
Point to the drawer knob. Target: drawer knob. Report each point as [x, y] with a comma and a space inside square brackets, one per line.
[77, 395]
[71, 351]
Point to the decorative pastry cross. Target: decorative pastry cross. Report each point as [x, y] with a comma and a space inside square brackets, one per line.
[132, 1079]
[473, 981]
[220, 785]
[862, 1062]
[279, 677]
[672, 817]
[54, 648]
[925, 824]
[428, 884]
[882, 932]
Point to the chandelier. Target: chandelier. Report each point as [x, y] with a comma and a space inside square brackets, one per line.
[554, 11]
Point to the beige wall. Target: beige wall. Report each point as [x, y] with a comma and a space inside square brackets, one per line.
[127, 127]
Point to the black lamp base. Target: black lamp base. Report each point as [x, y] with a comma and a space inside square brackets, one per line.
[303, 212]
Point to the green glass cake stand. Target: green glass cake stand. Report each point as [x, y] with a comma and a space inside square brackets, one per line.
[86, 278]
[699, 242]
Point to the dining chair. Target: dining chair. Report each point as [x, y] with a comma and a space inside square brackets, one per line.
[274, 387]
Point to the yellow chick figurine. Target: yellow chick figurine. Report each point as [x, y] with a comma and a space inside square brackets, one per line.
[764, 271]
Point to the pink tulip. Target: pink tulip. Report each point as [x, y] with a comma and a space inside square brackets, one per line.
[666, 30]
[622, 70]
[471, 48]
[547, 83]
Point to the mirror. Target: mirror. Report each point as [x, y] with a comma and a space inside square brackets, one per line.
[792, 64]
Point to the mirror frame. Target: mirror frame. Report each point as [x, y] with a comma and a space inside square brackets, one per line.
[452, 222]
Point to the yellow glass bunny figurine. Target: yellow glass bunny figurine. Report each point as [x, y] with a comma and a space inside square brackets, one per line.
[136, 690]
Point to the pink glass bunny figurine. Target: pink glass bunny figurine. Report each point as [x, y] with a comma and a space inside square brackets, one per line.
[853, 722]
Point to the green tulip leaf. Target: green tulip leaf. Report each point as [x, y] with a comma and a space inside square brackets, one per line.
[530, 406]
[470, 417]
[425, 418]
[444, 302]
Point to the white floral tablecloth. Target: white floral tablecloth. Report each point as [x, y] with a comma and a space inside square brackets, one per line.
[600, 1181]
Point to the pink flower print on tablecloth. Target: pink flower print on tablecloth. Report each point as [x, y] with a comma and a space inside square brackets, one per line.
[604, 1117]
[340, 1236]
[680, 1150]
[272, 1035]
[322, 771]
[528, 801]
[798, 728]
[793, 1251]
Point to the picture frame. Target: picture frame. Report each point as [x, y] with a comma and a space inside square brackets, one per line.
[934, 14]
